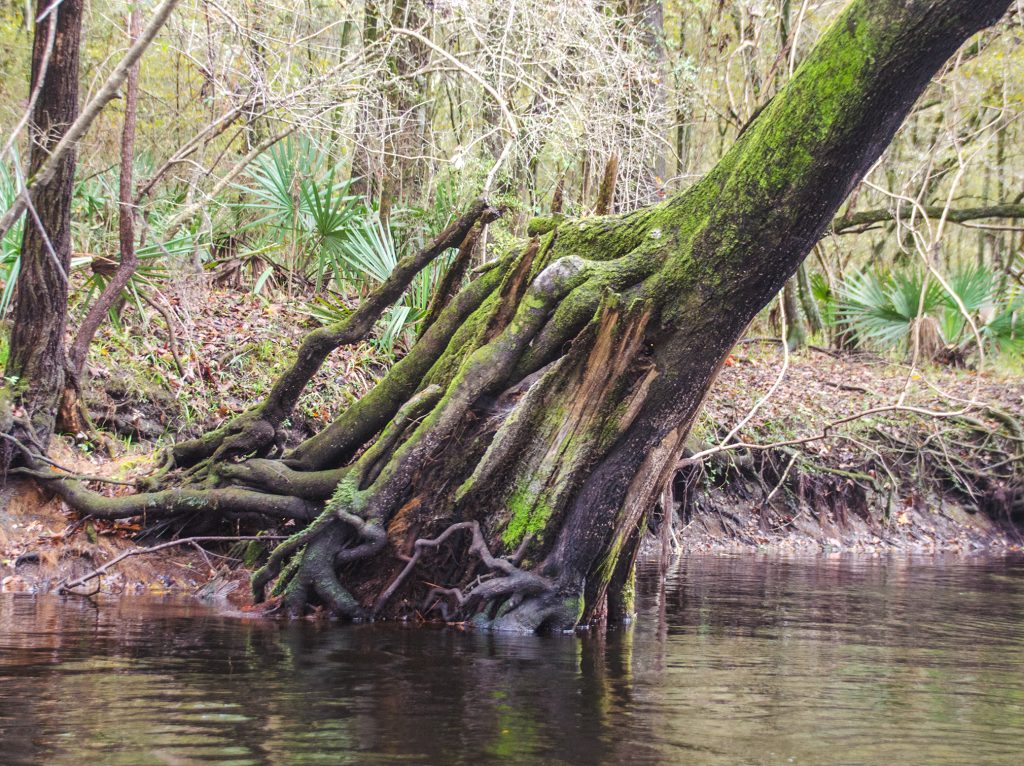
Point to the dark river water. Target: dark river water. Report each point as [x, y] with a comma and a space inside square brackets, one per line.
[736, 660]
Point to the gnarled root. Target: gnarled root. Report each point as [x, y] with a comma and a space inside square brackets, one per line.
[177, 503]
[524, 601]
[277, 477]
[247, 434]
[337, 537]
[556, 610]
[316, 574]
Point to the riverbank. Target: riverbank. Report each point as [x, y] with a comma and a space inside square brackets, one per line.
[849, 469]
[869, 455]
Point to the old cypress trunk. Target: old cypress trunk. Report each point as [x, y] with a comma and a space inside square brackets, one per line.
[503, 470]
[36, 361]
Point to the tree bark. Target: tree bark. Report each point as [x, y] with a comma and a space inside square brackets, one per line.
[36, 361]
[366, 158]
[70, 416]
[606, 192]
[808, 302]
[796, 335]
[521, 443]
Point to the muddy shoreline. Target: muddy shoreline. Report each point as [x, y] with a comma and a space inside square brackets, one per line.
[891, 482]
[42, 544]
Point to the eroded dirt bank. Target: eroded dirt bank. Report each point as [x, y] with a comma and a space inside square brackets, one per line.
[908, 459]
[944, 470]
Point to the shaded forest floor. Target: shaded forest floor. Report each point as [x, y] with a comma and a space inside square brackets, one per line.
[894, 480]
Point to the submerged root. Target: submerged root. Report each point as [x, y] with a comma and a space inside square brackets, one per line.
[338, 536]
[556, 610]
[313, 557]
[524, 601]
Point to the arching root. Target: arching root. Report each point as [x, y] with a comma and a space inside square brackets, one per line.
[338, 536]
[277, 477]
[526, 601]
[335, 538]
[247, 433]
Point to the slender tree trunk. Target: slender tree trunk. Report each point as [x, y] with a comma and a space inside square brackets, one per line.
[71, 417]
[651, 15]
[366, 152]
[503, 470]
[796, 335]
[404, 174]
[807, 301]
[36, 362]
[605, 202]
[683, 114]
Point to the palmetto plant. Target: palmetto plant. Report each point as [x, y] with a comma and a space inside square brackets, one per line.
[295, 191]
[10, 245]
[367, 256]
[95, 214]
[330, 236]
[888, 310]
[825, 297]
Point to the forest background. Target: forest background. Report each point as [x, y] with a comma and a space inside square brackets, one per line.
[288, 155]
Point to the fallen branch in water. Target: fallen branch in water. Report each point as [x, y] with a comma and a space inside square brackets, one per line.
[65, 587]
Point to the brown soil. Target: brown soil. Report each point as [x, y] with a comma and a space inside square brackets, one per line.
[43, 543]
[893, 480]
[863, 488]
[232, 345]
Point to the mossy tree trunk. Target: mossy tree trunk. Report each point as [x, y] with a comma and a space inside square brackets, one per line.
[503, 470]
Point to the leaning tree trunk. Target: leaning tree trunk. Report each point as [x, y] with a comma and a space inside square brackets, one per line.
[36, 360]
[503, 470]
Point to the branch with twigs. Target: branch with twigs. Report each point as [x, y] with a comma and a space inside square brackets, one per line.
[64, 586]
[107, 92]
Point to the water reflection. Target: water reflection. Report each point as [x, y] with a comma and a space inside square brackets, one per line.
[734, 660]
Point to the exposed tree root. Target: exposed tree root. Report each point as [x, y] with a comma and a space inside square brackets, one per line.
[277, 477]
[316, 574]
[524, 601]
[179, 502]
[447, 336]
[255, 431]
